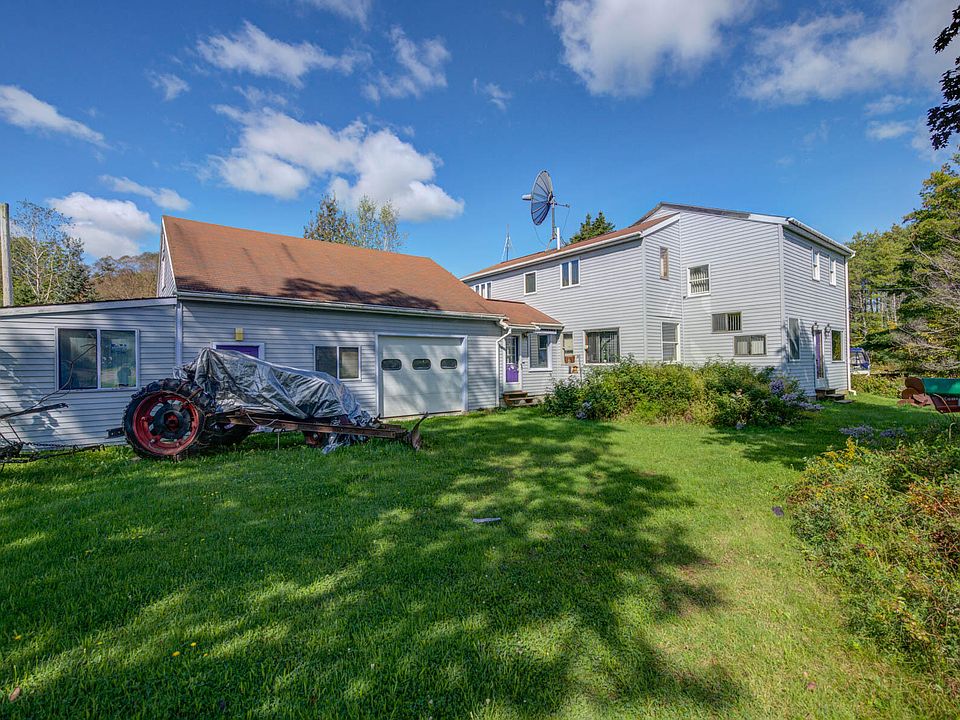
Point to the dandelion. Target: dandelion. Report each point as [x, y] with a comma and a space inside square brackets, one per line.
[18, 637]
[176, 653]
[193, 644]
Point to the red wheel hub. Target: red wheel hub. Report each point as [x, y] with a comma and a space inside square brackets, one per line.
[166, 423]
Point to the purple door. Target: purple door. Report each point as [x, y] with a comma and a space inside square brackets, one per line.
[251, 350]
[818, 352]
[512, 373]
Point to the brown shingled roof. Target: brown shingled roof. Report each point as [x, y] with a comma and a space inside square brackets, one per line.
[218, 259]
[574, 247]
[520, 314]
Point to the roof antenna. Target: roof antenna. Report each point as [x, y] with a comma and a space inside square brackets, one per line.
[542, 201]
[507, 246]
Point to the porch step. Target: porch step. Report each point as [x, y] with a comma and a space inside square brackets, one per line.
[519, 398]
[832, 394]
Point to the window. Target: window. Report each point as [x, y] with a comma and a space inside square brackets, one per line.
[669, 339]
[483, 289]
[96, 359]
[833, 271]
[603, 346]
[540, 352]
[568, 357]
[342, 362]
[421, 363]
[836, 345]
[570, 273]
[816, 265]
[529, 283]
[746, 345]
[793, 338]
[448, 364]
[390, 364]
[664, 263]
[726, 322]
[698, 280]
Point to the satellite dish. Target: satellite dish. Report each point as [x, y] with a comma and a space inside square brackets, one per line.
[541, 198]
[543, 203]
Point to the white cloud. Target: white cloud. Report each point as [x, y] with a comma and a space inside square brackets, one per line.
[887, 130]
[280, 156]
[257, 97]
[107, 227]
[252, 50]
[162, 197]
[20, 108]
[169, 84]
[886, 105]
[357, 10]
[495, 94]
[829, 56]
[421, 68]
[618, 47]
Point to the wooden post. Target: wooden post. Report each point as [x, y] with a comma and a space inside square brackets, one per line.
[7, 278]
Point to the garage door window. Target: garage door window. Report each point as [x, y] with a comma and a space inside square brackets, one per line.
[421, 364]
[391, 364]
[448, 364]
[341, 361]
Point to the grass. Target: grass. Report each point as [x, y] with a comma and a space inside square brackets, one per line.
[638, 571]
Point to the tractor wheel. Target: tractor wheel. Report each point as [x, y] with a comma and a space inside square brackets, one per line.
[166, 419]
[220, 434]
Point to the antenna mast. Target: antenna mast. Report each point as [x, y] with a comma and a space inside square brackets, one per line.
[507, 246]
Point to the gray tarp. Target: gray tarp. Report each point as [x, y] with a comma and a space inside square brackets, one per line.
[238, 381]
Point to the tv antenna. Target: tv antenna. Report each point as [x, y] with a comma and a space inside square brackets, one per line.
[543, 203]
[507, 246]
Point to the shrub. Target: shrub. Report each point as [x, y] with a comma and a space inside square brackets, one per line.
[726, 394]
[882, 385]
[884, 519]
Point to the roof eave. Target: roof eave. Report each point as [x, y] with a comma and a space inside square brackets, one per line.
[818, 236]
[345, 307]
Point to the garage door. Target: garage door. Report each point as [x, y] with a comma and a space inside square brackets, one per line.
[421, 375]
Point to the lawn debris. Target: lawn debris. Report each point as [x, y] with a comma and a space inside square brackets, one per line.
[485, 521]
[15, 695]
[777, 510]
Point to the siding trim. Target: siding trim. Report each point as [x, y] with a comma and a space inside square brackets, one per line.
[84, 307]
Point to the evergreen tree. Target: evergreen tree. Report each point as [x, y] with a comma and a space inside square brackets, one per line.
[591, 227]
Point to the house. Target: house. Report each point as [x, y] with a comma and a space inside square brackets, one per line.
[403, 333]
[682, 284]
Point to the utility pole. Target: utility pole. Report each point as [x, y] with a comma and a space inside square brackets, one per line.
[7, 277]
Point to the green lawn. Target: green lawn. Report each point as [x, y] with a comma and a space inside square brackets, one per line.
[638, 572]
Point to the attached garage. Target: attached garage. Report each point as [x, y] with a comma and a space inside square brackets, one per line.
[422, 374]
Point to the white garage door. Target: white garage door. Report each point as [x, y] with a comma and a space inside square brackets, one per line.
[421, 374]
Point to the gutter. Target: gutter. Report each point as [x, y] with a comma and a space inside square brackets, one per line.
[816, 235]
[344, 307]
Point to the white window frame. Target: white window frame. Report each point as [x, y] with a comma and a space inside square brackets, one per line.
[483, 289]
[749, 343]
[664, 262]
[833, 271]
[676, 350]
[586, 345]
[525, 276]
[566, 265]
[338, 348]
[98, 388]
[799, 356]
[816, 264]
[690, 292]
[549, 365]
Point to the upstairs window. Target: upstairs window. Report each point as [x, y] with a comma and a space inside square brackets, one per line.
[529, 283]
[816, 265]
[726, 322]
[793, 338]
[603, 347]
[833, 271]
[570, 273]
[483, 289]
[748, 345]
[664, 263]
[698, 280]
[90, 359]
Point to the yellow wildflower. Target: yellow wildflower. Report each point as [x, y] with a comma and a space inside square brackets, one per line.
[176, 653]
[193, 644]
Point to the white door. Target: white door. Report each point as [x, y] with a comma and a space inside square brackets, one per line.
[422, 375]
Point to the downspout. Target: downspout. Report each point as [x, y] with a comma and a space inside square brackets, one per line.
[846, 305]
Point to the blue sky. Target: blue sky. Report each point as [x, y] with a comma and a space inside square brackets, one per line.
[245, 113]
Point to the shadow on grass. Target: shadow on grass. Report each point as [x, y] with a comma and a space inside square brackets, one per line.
[793, 446]
[353, 584]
